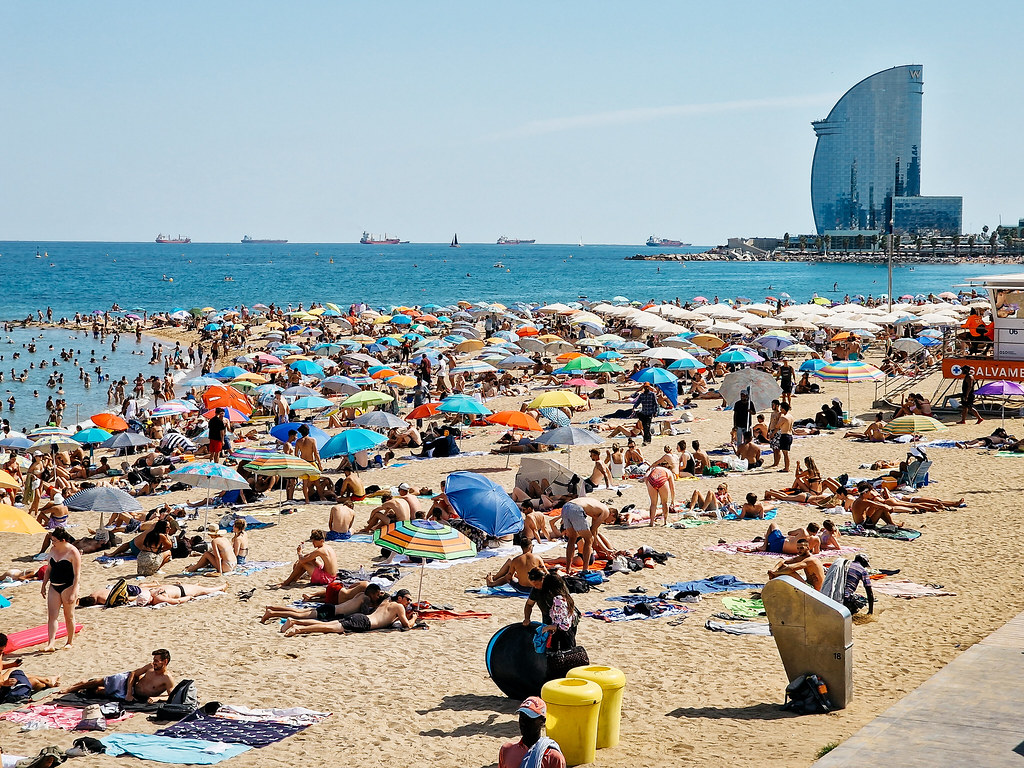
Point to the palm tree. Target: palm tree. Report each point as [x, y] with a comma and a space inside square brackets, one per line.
[918, 242]
[860, 242]
[874, 242]
[803, 243]
[828, 242]
[934, 243]
[818, 242]
[785, 241]
[971, 240]
[956, 244]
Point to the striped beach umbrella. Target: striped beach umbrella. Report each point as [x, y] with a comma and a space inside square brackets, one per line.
[913, 424]
[211, 476]
[252, 452]
[849, 371]
[41, 432]
[427, 539]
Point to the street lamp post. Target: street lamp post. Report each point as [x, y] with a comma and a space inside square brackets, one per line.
[891, 235]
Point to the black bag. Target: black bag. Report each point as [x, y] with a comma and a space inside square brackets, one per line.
[807, 695]
[118, 594]
[560, 662]
[182, 702]
[577, 585]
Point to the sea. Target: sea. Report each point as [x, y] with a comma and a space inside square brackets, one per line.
[72, 277]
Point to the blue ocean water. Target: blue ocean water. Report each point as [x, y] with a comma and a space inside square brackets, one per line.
[72, 276]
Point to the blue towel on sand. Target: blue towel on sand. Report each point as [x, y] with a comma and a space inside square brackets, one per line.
[505, 590]
[354, 538]
[251, 523]
[658, 610]
[706, 586]
[254, 734]
[768, 515]
[163, 749]
[4, 602]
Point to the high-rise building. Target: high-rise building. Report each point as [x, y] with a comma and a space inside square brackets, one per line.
[869, 153]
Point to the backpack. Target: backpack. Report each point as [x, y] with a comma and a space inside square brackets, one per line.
[576, 584]
[807, 695]
[182, 702]
[118, 594]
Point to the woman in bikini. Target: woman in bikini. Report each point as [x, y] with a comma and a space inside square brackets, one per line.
[60, 586]
[829, 536]
[713, 502]
[809, 478]
[662, 489]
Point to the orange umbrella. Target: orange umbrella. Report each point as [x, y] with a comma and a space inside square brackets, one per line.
[515, 420]
[526, 330]
[403, 382]
[383, 373]
[424, 411]
[567, 356]
[109, 422]
[227, 397]
[841, 336]
[427, 319]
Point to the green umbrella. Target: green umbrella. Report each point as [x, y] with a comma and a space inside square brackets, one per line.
[366, 399]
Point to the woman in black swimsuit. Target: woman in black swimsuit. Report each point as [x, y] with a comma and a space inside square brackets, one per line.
[60, 586]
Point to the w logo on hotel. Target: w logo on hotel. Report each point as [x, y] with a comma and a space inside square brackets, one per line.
[915, 74]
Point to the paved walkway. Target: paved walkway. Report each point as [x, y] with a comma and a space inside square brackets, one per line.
[970, 713]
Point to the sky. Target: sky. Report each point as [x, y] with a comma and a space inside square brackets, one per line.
[557, 121]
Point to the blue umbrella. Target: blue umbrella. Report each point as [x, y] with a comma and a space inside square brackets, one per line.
[609, 354]
[928, 341]
[307, 368]
[17, 442]
[280, 432]
[775, 343]
[555, 415]
[91, 436]
[686, 364]
[401, 320]
[812, 365]
[211, 327]
[463, 404]
[311, 403]
[288, 348]
[738, 356]
[653, 375]
[231, 372]
[351, 441]
[299, 391]
[483, 504]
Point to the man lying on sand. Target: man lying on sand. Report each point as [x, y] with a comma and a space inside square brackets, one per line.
[788, 543]
[141, 685]
[16, 684]
[360, 598]
[514, 570]
[396, 610]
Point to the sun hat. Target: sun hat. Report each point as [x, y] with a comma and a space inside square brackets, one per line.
[533, 707]
[213, 530]
[405, 487]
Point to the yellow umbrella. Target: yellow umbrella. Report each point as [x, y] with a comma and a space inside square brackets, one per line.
[558, 398]
[333, 307]
[14, 520]
[547, 337]
[471, 345]
[707, 341]
[399, 381]
[7, 480]
[381, 320]
[253, 377]
[274, 325]
[363, 339]
[318, 311]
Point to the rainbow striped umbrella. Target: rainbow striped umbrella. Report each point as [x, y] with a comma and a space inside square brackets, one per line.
[253, 452]
[427, 539]
[849, 371]
[913, 424]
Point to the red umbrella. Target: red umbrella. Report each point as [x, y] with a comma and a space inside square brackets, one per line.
[515, 420]
[424, 411]
[109, 422]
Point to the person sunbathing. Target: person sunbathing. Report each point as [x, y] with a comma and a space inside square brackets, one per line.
[153, 594]
[351, 488]
[902, 502]
[829, 488]
[829, 536]
[866, 509]
[623, 430]
[537, 525]
[712, 501]
[220, 556]
[320, 564]
[998, 439]
[786, 543]
[808, 478]
[749, 452]
[873, 433]
[338, 601]
[803, 566]
[752, 509]
[514, 571]
[143, 684]
[398, 610]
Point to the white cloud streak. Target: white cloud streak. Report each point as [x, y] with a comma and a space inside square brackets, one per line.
[650, 114]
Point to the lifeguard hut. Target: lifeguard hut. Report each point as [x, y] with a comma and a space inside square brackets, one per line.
[1001, 354]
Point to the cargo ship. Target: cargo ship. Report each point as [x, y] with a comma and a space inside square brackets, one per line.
[661, 242]
[177, 240]
[514, 241]
[368, 239]
[248, 239]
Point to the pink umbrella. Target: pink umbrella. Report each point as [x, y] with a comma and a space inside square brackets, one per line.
[700, 299]
[263, 357]
[578, 382]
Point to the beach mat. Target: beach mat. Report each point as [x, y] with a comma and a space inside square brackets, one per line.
[26, 638]
[163, 749]
[757, 628]
[769, 514]
[746, 607]
[712, 584]
[656, 609]
[1009, 454]
[899, 534]
[200, 725]
[908, 590]
[444, 614]
[51, 715]
[505, 590]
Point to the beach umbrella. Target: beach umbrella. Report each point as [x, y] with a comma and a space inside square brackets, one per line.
[557, 398]
[351, 441]
[233, 415]
[424, 411]
[61, 442]
[515, 420]
[280, 432]
[311, 403]
[14, 520]
[739, 356]
[201, 381]
[9, 481]
[299, 391]
[125, 440]
[774, 343]
[16, 442]
[608, 354]
[307, 368]
[463, 404]
[483, 504]
[569, 436]
[92, 436]
[282, 465]
[608, 367]
[252, 452]
[366, 399]
[426, 539]
[1007, 389]
[762, 386]
[689, 363]
[913, 424]
[109, 422]
[380, 420]
[212, 477]
[226, 397]
[910, 346]
[849, 371]
[103, 499]
[581, 363]
[231, 372]
[474, 366]
[653, 375]
[556, 416]
[401, 381]
[707, 341]
[812, 365]
[798, 349]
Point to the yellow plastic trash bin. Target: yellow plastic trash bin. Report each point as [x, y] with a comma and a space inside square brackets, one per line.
[612, 682]
[574, 706]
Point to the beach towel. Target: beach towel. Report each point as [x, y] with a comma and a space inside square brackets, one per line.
[354, 538]
[4, 602]
[739, 628]
[689, 522]
[443, 614]
[505, 590]
[747, 607]
[896, 534]
[734, 549]
[769, 514]
[26, 638]
[288, 715]
[163, 749]
[656, 609]
[1009, 454]
[251, 523]
[908, 590]
[253, 733]
[51, 716]
[724, 583]
[116, 560]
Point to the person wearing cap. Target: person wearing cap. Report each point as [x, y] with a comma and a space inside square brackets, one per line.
[407, 497]
[856, 574]
[534, 749]
[220, 556]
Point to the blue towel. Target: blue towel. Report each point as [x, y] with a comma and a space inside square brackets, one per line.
[254, 734]
[4, 602]
[163, 749]
[251, 523]
[711, 584]
[505, 590]
[768, 515]
[355, 538]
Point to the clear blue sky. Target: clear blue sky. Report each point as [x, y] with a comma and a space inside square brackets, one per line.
[611, 121]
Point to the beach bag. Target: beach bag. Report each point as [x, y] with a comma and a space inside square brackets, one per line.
[182, 702]
[86, 745]
[577, 585]
[118, 595]
[92, 719]
[807, 695]
[47, 757]
[560, 662]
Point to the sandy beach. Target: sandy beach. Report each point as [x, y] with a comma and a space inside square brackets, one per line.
[693, 697]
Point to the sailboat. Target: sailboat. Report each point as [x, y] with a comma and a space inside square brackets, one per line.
[580, 243]
[455, 241]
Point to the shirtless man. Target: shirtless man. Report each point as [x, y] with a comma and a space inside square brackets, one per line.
[803, 566]
[410, 499]
[599, 475]
[749, 451]
[866, 509]
[141, 685]
[752, 509]
[390, 511]
[873, 433]
[537, 525]
[786, 543]
[701, 460]
[154, 594]
[581, 519]
[220, 556]
[352, 488]
[340, 521]
[784, 431]
[360, 598]
[514, 570]
[388, 612]
[305, 449]
[670, 460]
[321, 564]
